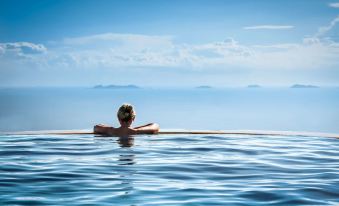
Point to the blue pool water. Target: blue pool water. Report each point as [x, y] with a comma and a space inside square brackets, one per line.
[168, 170]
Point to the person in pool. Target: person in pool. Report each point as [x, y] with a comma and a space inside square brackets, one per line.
[126, 116]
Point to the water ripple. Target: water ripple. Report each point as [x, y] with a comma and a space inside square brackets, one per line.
[168, 170]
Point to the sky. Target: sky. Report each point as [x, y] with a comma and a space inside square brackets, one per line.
[158, 43]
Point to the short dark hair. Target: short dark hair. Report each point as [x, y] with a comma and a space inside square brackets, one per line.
[126, 112]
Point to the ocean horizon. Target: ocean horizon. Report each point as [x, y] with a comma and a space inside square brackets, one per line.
[241, 108]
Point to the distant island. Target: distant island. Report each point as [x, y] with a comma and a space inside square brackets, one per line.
[204, 87]
[253, 86]
[296, 86]
[111, 86]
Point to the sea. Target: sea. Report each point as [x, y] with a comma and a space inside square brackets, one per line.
[170, 169]
[281, 109]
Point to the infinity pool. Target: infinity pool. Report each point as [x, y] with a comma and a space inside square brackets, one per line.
[168, 170]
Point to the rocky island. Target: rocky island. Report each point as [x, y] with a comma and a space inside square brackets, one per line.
[112, 86]
[253, 86]
[297, 86]
[204, 87]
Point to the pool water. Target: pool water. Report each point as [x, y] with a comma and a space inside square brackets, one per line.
[168, 170]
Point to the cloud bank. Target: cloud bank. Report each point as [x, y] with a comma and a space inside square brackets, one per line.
[269, 27]
[21, 48]
[334, 5]
[116, 51]
[113, 50]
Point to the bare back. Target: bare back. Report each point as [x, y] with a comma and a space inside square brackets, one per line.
[151, 128]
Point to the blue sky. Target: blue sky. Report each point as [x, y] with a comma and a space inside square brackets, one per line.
[169, 43]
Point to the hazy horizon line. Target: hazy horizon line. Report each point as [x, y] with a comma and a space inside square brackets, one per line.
[202, 86]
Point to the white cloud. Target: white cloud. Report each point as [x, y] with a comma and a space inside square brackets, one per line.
[2, 50]
[116, 51]
[303, 56]
[121, 41]
[21, 56]
[23, 47]
[323, 30]
[311, 40]
[276, 46]
[270, 27]
[334, 5]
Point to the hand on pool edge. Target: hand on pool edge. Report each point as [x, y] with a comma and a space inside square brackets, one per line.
[151, 128]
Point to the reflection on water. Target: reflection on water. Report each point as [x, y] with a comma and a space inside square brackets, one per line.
[126, 141]
[126, 159]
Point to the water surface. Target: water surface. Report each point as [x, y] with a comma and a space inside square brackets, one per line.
[311, 110]
[168, 170]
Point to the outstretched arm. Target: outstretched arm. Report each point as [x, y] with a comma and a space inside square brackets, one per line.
[151, 128]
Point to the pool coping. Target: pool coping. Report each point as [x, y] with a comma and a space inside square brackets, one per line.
[182, 131]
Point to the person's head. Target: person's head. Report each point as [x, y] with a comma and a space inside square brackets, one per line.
[126, 115]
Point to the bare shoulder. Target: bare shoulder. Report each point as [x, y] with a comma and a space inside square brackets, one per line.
[104, 129]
